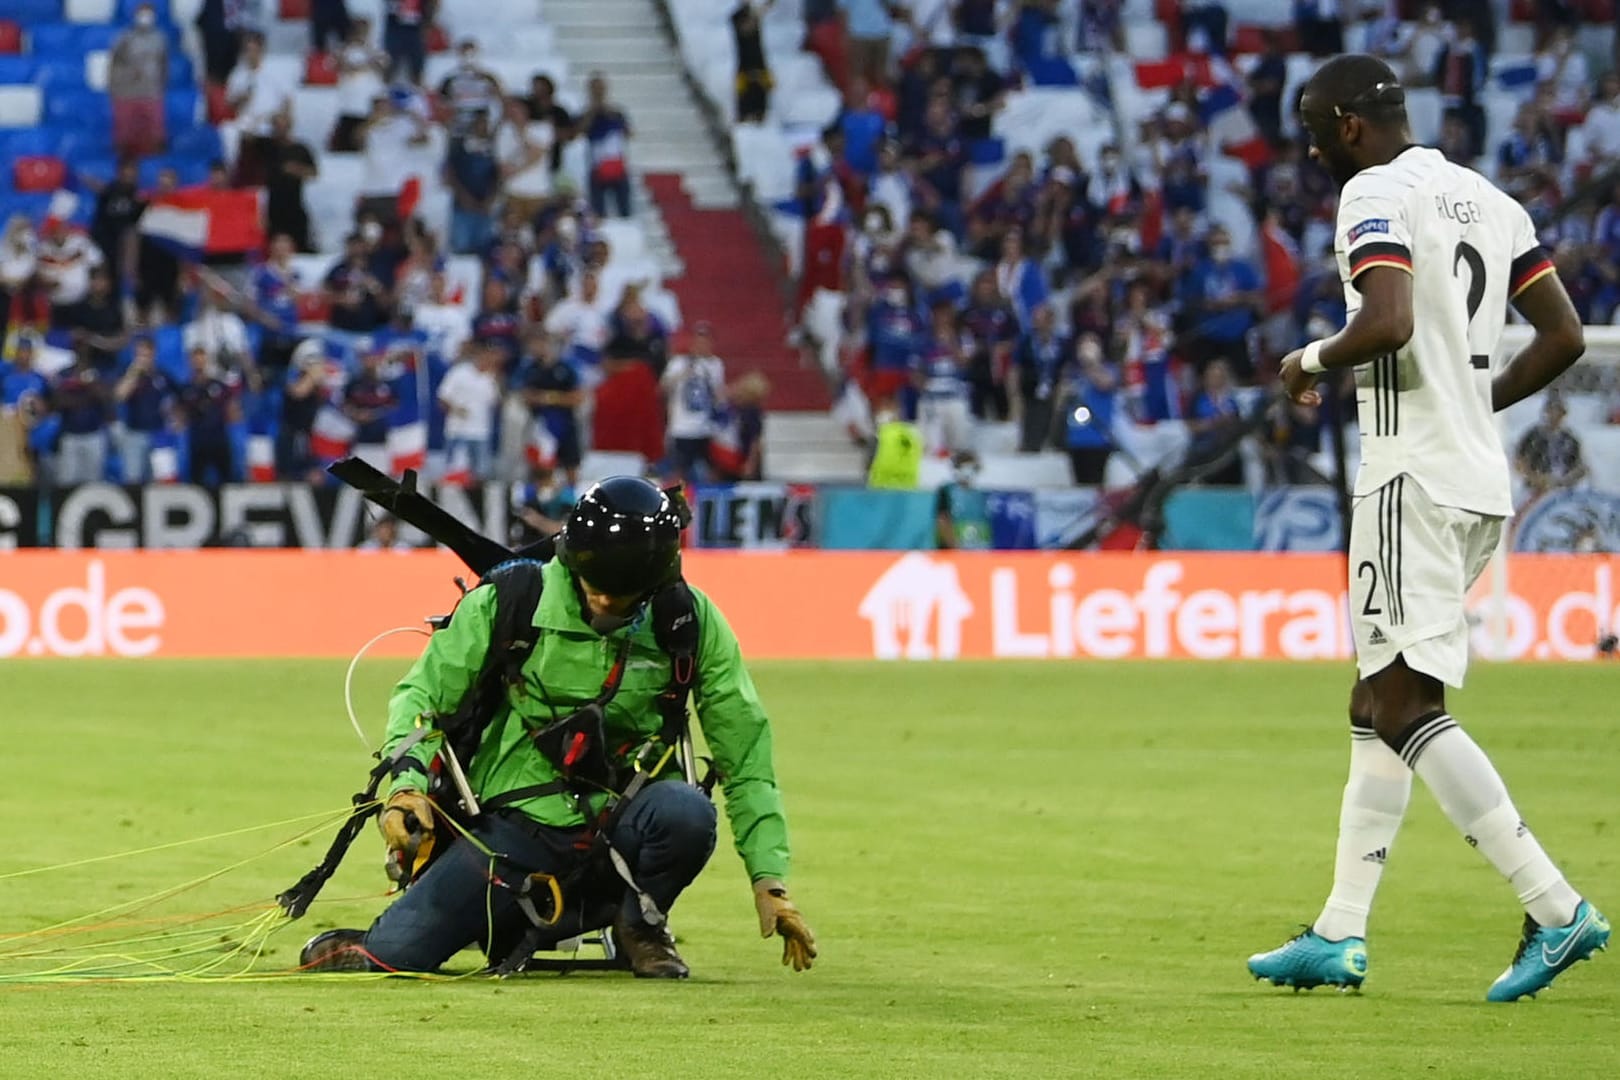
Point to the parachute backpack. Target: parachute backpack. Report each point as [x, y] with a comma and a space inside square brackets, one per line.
[574, 745]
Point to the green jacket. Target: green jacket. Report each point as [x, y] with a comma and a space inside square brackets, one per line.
[570, 662]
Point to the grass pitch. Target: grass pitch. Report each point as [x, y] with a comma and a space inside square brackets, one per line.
[1014, 870]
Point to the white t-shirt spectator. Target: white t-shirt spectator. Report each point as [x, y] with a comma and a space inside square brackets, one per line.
[693, 384]
[1602, 131]
[469, 397]
[19, 258]
[515, 145]
[222, 333]
[388, 148]
[578, 323]
[266, 94]
[1569, 77]
[65, 266]
[359, 84]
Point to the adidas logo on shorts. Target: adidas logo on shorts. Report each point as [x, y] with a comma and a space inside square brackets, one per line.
[1376, 856]
[1377, 637]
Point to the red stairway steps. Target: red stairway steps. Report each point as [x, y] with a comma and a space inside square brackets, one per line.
[730, 282]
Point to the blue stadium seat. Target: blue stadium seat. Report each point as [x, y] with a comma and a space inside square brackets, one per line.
[180, 110]
[201, 142]
[78, 110]
[190, 170]
[98, 167]
[181, 72]
[15, 70]
[29, 12]
[29, 142]
[64, 40]
[57, 74]
[33, 206]
[73, 145]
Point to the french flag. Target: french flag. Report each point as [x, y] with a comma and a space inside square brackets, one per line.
[458, 470]
[1231, 128]
[201, 222]
[725, 449]
[541, 446]
[261, 458]
[332, 434]
[406, 445]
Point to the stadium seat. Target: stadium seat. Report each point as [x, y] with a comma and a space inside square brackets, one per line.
[181, 71]
[79, 110]
[100, 168]
[93, 72]
[320, 69]
[10, 38]
[30, 142]
[38, 174]
[89, 11]
[20, 106]
[169, 353]
[201, 142]
[31, 12]
[31, 206]
[294, 10]
[17, 70]
[180, 110]
[71, 73]
[72, 39]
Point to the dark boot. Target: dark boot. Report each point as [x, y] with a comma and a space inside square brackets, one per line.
[336, 950]
[650, 949]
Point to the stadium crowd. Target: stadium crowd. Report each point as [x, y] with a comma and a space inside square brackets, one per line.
[1096, 302]
[1086, 294]
[129, 356]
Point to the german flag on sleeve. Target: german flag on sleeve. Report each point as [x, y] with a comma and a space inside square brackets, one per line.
[1383, 253]
[1528, 269]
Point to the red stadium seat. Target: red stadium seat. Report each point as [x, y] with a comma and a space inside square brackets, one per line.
[38, 174]
[10, 37]
[219, 109]
[321, 69]
[313, 308]
[294, 9]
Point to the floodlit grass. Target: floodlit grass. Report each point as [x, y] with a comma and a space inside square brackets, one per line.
[1014, 870]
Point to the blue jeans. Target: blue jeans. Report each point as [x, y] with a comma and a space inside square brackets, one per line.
[666, 835]
[469, 231]
[476, 451]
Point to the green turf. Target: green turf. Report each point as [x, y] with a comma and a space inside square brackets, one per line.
[1041, 870]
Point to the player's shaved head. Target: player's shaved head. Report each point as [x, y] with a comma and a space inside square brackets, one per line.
[1355, 111]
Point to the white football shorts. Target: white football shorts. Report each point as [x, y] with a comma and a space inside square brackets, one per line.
[1411, 566]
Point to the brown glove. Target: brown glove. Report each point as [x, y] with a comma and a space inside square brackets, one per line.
[407, 827]
[777, 915]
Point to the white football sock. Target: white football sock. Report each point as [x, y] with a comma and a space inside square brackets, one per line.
[1472, 794]
[1374, 802]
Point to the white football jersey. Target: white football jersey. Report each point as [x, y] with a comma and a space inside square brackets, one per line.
[1425, 411]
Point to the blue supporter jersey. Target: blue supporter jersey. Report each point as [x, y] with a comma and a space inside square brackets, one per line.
[80, 400]
[276, 294]
[144, 408]
[15, 385]
[893, 332]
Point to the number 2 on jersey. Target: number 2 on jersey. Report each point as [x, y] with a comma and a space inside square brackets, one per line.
[1469, 254]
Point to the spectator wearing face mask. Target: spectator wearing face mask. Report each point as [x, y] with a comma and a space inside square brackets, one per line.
[1222, 297]
[256, 94]
[137, 76]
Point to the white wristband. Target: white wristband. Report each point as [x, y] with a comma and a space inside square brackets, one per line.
[1312, 360]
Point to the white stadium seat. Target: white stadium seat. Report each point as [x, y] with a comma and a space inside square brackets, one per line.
[19, 106]
[95, 69]
[90, 11]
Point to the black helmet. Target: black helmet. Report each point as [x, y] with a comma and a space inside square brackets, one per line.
[623, 537]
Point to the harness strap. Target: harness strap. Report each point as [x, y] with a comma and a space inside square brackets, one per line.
[532, 791]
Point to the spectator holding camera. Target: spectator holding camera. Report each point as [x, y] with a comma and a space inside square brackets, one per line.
[145, 395]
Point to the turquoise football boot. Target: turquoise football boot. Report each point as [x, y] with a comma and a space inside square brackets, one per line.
[1309, 960]
[1545, 951]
